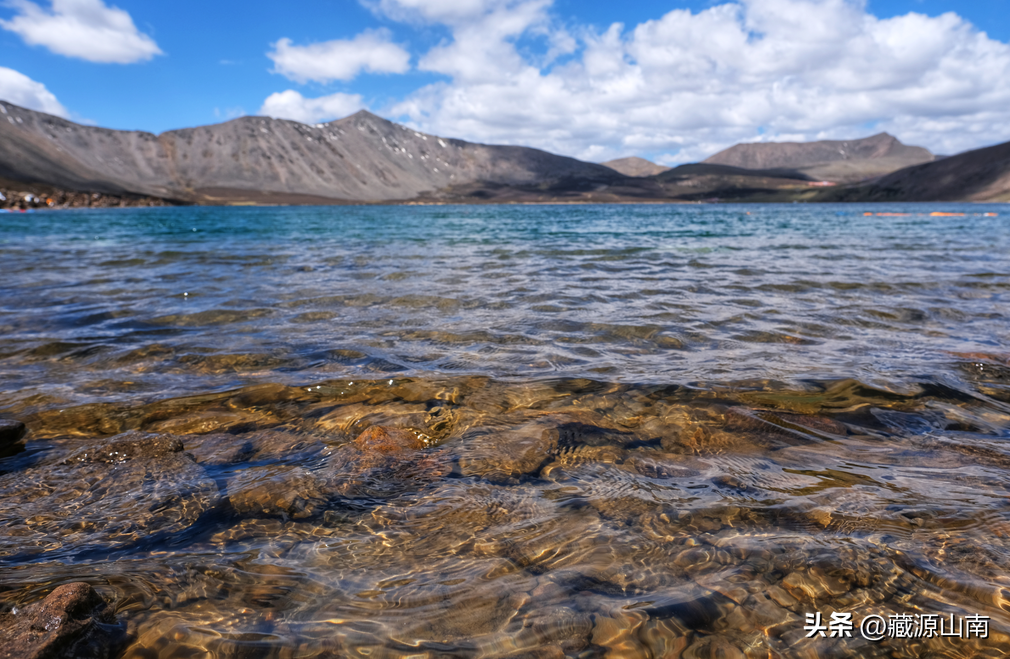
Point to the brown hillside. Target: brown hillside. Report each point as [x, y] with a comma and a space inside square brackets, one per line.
[634, 166]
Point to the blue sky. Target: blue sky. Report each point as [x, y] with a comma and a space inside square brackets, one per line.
[671, 81]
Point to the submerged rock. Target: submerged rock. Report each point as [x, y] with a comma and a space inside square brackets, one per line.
[104, 497]
[130, 447]
[501, 454]
[559, 626]
[294, 492]
[387, 440]
[381, 462]
[269, 446]
[72, 621]
[11, 433]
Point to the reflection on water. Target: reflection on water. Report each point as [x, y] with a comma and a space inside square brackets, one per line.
[625, 432]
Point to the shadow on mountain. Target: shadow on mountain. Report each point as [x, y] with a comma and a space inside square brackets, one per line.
[978, 175]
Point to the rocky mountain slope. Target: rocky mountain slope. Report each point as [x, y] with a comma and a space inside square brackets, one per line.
[840, 161]
[978, 175]
[359, 158]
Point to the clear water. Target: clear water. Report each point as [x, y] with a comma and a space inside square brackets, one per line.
[644, 429]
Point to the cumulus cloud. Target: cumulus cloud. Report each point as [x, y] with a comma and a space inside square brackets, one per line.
[340, 59]
[292, 105]
[19, 89]
[87, 29]
[686, 85]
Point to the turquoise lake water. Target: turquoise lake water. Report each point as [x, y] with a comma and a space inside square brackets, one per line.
[657, 294]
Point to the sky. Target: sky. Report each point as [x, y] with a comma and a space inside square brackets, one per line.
[673, 81]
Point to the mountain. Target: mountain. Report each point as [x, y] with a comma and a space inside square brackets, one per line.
[360, 158]
[635, 166]
[840, 161]
[364, 158]
[978, 175]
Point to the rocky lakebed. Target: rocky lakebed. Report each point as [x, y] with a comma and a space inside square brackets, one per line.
[469, 517]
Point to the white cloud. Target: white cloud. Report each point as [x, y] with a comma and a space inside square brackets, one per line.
[86, 29]
[19, 89]
[340, 59]
[686, 85]
[450, 12]
[292, 105]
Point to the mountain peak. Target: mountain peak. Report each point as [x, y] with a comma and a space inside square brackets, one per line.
[362, 114]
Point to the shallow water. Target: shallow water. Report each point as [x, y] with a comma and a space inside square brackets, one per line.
[534, 430]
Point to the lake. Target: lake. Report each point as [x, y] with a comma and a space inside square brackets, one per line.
[530, 430]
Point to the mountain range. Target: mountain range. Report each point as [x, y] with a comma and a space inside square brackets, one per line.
[366, 159]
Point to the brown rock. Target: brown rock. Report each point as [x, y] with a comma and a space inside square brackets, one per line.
[387, 440]
[1002, 359]
[71, 622]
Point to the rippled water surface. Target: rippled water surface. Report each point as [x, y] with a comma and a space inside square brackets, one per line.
[584, 431]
